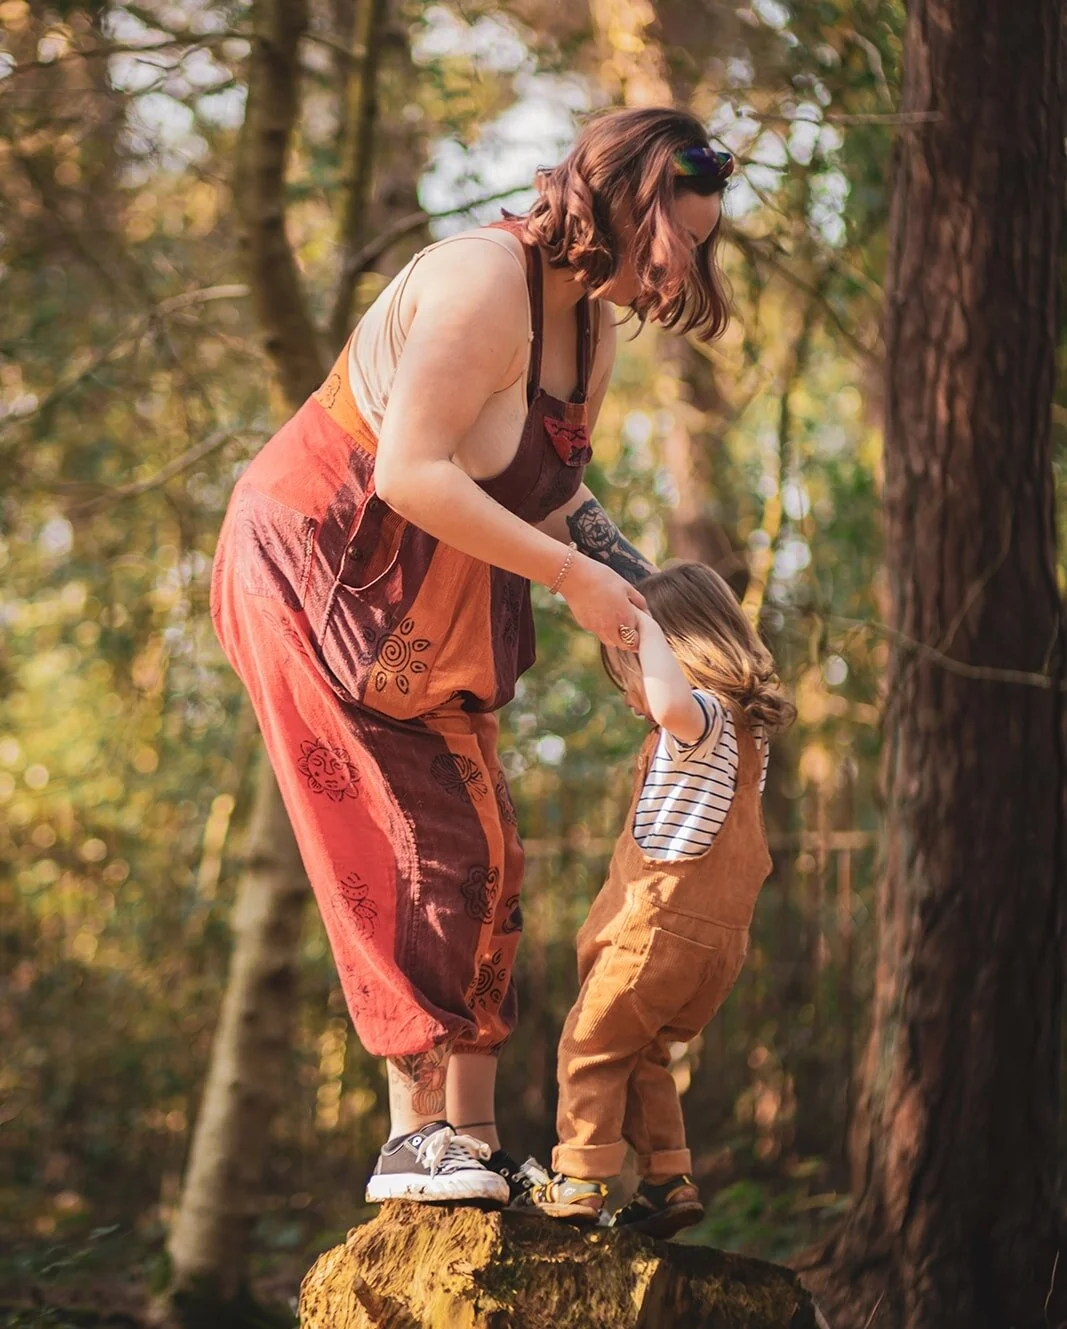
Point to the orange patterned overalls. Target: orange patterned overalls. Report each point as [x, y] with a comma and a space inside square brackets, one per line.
[376, 658]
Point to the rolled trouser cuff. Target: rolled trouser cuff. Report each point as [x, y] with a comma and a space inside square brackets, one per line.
[589, 1162]
[665, 1163]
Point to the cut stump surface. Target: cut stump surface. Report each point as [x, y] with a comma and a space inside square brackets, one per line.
[421, 1266]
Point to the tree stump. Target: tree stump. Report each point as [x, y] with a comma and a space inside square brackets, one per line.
[421, 1266]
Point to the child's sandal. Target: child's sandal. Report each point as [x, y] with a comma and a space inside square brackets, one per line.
[567, 1197]
[661, 1209]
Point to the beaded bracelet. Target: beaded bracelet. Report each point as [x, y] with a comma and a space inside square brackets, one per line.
[564, 569]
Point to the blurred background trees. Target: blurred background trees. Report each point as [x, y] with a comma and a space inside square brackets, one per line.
[198, 200]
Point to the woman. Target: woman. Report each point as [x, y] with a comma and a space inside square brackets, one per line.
[372, 589]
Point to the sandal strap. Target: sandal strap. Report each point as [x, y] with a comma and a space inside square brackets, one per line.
[653, 1197]
[660, 1194]
[561, 1189]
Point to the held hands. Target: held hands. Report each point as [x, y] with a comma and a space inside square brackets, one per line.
[602, 602]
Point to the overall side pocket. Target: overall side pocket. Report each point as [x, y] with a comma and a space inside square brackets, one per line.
[272, 547]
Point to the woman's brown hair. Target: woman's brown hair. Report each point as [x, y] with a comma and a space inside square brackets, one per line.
[623, 165]
[716, 645]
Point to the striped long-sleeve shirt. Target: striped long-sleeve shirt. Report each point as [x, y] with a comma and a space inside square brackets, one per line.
[689, 787]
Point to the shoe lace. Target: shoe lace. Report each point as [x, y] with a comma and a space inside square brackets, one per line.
[446, 1150]
[531, 1174]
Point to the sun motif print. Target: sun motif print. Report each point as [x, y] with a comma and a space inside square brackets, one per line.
[398, 656]
[328, 770]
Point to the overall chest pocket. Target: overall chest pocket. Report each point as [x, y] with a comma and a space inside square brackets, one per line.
[272, 547]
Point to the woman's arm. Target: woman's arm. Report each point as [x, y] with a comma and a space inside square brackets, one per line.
[597, 536]
[463, 344]
[583, 520]
[667, 690]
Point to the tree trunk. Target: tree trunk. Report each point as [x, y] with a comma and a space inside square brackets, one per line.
[430, 1266]
[955, 1143]
[692, 530]
[290, 336]
[209, 1239]
[361, 106]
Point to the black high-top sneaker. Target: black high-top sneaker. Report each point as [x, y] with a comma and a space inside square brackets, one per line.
[521, 1177]
[435, 1163]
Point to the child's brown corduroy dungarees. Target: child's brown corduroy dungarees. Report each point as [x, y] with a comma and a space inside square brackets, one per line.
[662, 947]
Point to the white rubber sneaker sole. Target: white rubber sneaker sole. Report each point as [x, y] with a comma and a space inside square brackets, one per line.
[473, 1185]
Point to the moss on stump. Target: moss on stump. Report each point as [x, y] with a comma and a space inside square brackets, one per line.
[420, 1266]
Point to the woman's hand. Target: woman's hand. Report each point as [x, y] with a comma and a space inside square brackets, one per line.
[602, 602]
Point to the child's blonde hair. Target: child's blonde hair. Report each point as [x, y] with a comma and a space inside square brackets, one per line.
[716, 645]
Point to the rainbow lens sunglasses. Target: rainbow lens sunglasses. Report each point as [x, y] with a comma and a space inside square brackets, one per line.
[708, 163]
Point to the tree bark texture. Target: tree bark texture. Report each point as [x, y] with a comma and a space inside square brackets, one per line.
[692, 530]
[954, 1149]
[289, 333]
[361, 104]
[209, 1239]
[455, 1267]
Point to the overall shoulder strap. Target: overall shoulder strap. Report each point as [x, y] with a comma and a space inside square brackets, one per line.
[585, 346]
[535, 286]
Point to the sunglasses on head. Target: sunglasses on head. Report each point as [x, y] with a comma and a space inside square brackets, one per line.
[707, 163]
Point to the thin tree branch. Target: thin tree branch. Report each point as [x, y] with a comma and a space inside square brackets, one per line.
[105, 50]
[122, 344]
[755, 251]
[403, 226]
[842, 118]
[763, 561]
[987, 673]
[181, 463]
[189, 41]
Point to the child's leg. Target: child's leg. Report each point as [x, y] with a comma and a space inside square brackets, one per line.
[653, 1121]
[654, 1124]
[604, 1033]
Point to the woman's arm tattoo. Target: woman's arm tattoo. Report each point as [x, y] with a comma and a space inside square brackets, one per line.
[595, 534]
[423, 1075]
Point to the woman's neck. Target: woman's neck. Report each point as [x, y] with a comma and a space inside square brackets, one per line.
[562, 289]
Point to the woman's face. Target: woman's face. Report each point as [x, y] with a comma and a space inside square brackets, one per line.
[697, 216]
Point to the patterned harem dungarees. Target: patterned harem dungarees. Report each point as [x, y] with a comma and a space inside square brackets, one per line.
[375, 658]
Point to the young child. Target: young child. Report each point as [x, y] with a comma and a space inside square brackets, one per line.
[666, 937]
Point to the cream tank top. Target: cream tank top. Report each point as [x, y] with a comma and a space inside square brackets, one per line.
[378, 340]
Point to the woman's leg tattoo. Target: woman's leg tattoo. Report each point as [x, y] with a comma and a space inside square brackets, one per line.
[423, 1075]
[595, 534]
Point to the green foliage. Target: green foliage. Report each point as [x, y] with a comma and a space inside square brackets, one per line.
[769, 1217]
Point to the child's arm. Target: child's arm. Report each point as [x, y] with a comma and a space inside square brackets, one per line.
[667, 690]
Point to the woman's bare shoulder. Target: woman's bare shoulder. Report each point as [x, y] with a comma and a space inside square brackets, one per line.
[481, 270]
[467, 299]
